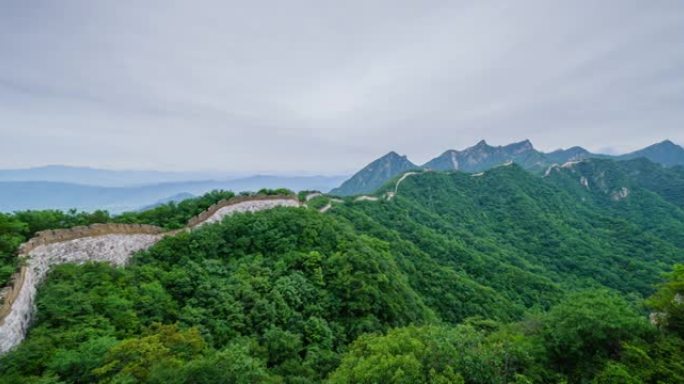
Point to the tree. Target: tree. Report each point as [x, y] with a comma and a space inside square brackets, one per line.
[588, 328]
[668, 301]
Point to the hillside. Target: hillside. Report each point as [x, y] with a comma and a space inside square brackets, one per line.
[504, 277]
[547, 233]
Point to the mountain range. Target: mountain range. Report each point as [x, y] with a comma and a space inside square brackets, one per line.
[483, 156]
[503, 276]
[103, 177]
[24, 195]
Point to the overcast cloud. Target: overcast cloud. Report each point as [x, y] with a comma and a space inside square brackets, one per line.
[327, 86]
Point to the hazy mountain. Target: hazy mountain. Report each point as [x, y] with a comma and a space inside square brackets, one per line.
[101, 177]
[171, 199]
[372, 176]
[561, 156]
[666, 153]
[483, 156]
[22, 195]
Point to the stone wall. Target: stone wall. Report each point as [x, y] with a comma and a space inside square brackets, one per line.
[113, 243]
[18, 307]
[224, 208]
[59, 235]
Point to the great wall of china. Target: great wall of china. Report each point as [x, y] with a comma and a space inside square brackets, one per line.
[113, 243]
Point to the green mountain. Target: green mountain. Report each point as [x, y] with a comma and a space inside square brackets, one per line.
[508, 276]
[374, 175]
[482, 156]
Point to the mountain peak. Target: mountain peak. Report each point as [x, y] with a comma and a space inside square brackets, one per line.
[375, 174]
[666, 153]
[391, 155]
[525, 145]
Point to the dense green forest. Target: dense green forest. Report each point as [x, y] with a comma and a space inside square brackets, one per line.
[507, 277]
[18, 227]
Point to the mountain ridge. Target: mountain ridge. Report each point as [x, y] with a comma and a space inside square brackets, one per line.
[23, 195]
[482, 156]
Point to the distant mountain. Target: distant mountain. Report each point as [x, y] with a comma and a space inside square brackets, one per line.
[375, 174]
[666, 153]
[100, 177]
[21, 195]
[483, 156]
[561, 156]
[171, 199]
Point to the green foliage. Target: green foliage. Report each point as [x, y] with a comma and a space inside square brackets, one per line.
[12, 234]
[174, 215]
[615, 373]
[299, 284]
[668, 301]
[500, 278]
[460, 354]
[588, 328]
[135, 359]
[18, 227]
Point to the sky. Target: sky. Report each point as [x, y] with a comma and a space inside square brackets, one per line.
[324, 87]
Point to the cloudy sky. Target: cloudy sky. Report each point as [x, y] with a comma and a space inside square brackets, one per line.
[327, 86]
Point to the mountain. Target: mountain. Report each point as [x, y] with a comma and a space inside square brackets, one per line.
[100, 177]
[666, 153]
[482, 156]
[509, 276]
[561, 156]
[15, 196]
[529, 228]
[609, 177]
[171, 199]
[375, 174]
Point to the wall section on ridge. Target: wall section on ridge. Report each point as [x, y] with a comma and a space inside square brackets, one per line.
[112, 243]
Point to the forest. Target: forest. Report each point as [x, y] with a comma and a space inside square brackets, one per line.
[507, 277]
